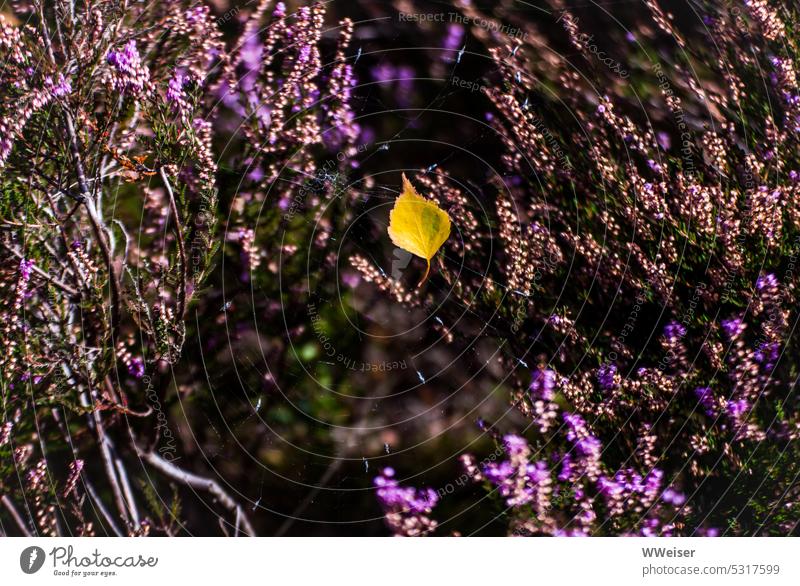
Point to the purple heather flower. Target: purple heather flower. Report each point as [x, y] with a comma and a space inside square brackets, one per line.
[588, 446]
[401, 77]
[130, 75]
[136, 367]
[733, 327]
[705, 397]
[251, 61]
[767, 354]
[673, 497]
[768, 281]
[605, 376]
[175, 90]
[576, 425]
[405, 72]
[609, 488]
[538, 473]
[516, 478]
[25, 269]
[196, 15]
[396, 497]
[453, 40]
[405, 508]
[653, 527]
[674, 331]
[514, 444]
[652, 483]
[627, 487]
[653, 166]
[735, 409]
[305, 54]
[61, 87]
[498, 472]
[383, 72]
[566, 468]
[36, 378]
[125, 58]
[543, 382]
[256, 174]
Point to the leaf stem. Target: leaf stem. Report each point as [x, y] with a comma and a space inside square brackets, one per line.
[427, 272]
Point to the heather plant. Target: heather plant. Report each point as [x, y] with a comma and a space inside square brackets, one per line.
[110, 214]
[207, 326]
[642, 296]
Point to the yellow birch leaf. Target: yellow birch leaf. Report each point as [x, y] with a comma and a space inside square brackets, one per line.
[418, 225]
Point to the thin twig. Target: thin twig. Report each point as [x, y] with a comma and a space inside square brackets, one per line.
[108, 464]
[126, 488]
[101, 507]
[96, 223]
[87, 485]
[15, 515]
[60, 284]
[202, 483]
[181, 250]
[65, 239]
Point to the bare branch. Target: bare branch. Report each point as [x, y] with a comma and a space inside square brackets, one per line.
[101, 507]
[181, 250]
[96, 223]
[201, 483]
[108, 464]
[15, 515]
[60, 284]
[95, 500]
[126, 488]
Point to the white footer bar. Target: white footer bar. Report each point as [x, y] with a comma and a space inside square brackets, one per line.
[401, 562]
